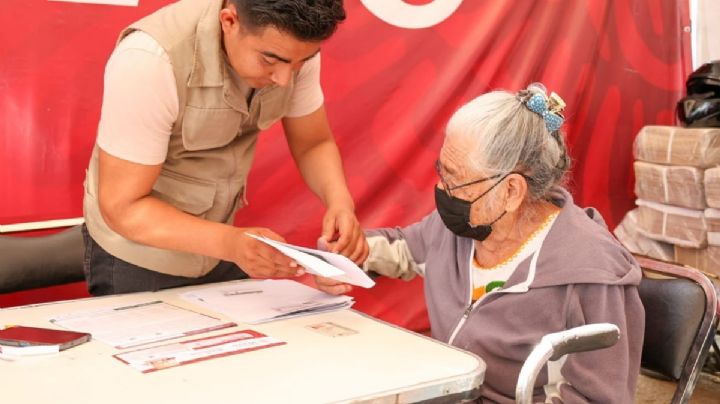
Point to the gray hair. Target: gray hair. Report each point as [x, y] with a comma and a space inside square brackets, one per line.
[507, 136]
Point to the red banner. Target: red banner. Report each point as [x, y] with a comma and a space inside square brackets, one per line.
[391, 80]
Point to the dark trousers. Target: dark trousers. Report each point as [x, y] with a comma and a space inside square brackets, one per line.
[107, 275]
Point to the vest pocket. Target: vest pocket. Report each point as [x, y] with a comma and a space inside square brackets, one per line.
[207, 128]
[191, 195]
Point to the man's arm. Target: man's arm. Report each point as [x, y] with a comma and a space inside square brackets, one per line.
[129, 209]
[318, 159]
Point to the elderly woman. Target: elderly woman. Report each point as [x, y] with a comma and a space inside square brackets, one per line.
[508, 257]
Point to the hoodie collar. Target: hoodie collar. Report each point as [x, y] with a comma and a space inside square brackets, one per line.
[575, 235]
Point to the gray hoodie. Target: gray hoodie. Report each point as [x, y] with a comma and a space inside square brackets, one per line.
[580, 275]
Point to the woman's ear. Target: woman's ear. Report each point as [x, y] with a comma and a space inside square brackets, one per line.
[517, 190]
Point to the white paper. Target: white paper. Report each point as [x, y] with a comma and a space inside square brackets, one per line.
[184, 352]
[259, 301]
[138, 324]
[29, 350]
[322, 263]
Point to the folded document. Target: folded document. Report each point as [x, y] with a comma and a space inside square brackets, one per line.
[322, 263]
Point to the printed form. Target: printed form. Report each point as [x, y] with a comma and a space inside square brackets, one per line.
[138, 324]
[259, 301]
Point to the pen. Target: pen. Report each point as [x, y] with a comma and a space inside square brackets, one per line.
[134, 306]
[241, 292]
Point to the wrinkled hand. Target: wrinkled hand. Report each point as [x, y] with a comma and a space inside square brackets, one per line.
[260, 260]
[342, 234]
[332, 286]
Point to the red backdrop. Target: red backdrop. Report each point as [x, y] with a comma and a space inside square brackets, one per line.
[619, 65]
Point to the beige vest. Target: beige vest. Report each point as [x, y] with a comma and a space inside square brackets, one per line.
[213, 140]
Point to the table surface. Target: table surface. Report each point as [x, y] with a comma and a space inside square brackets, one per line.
[380, 363]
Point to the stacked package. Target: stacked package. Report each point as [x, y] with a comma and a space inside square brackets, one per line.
[677, 182]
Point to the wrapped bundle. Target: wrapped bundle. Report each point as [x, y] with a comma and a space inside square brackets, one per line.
[705, 259]
[697, 147]
[712, 187]
[671, 224]
[672, 185]
[628, 235]
[712, 222]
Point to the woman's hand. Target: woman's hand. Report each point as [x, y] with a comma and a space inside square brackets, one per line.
[332, 286]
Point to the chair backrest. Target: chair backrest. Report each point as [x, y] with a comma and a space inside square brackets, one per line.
[34, 262]
[681, 317]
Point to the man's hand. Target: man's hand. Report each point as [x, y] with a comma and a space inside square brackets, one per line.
[260, 260]
[342, 234]
[332, 286]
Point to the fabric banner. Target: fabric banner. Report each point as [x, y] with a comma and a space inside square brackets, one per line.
[392, 76]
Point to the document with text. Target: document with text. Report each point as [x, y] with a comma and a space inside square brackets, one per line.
[322, 263]
[196, 350]
[259, 301]
[138, 324]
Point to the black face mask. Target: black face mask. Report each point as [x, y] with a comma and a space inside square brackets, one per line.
[455, 213]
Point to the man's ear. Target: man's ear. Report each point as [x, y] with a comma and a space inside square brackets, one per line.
[516, 190]
[229, 19]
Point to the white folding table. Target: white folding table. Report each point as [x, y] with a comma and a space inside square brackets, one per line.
[380, 363]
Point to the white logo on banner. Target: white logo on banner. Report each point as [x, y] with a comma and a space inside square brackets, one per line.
[404, 15]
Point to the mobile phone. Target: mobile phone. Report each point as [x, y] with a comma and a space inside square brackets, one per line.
[27, 336]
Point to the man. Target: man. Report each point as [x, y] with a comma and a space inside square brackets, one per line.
[187, 90]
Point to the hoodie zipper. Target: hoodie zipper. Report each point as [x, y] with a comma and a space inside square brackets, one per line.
[470, 306]
[464, 318]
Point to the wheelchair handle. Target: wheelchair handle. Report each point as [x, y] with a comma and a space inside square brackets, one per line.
[554, 346]
[584, 338]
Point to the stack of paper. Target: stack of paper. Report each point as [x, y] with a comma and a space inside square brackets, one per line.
[259, 301]
[138, 324]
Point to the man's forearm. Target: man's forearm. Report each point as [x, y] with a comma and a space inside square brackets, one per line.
[156, 223]
[321, 168]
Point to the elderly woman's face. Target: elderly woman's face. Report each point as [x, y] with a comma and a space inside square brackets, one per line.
[466, 183]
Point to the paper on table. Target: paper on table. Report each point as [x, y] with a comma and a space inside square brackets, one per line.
[322, 263]
[259, 301]
[138, 324]
[184, 352]
[29, 350]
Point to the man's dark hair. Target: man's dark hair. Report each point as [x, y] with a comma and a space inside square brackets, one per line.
[306, 20]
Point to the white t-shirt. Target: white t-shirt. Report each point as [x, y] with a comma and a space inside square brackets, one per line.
[140, 101]
[484, 280]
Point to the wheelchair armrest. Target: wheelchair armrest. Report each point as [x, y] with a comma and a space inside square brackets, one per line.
[553, 346]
